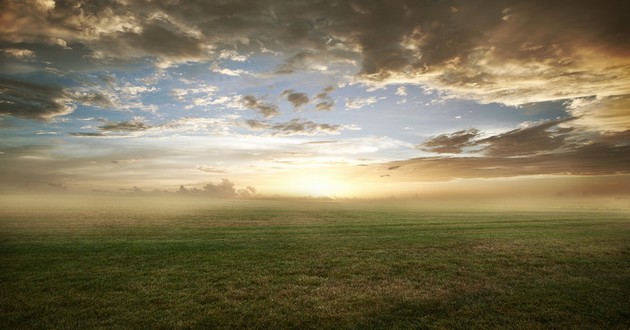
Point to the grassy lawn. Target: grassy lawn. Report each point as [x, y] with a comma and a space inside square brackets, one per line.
[274, 264]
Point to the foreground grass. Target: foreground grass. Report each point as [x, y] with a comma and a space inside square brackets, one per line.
[310, 265]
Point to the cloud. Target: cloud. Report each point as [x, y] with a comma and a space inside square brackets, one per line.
[19, 53]
[223, 189]
[233, 55]
[356, 146]
[247, 192]
[501, 51]
[210, 169]
[452, 44]
[315, 60]
[203, 90]
[610, 114]
[450, 143]
[229, 72]
[594, 159]
[327, 102]
[94, 98]
[304, 127]
[265, 109]
[508, 52]
[401, 91]
[125, 126]
[597, 166]
[298, 127]
[358, 103]
[33, 101]
[87, 134]
[131, 90]
[217, 125]
[547, 148]
[202, 95]
[541, 138]
[297, 99]
[256, 125]
[325, 106]
[137, 127]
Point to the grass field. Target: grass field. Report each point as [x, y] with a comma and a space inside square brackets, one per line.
[97, 263]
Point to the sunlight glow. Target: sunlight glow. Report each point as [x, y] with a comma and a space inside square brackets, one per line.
[321, 185]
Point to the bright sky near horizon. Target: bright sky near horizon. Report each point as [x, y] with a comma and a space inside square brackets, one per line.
[334, 98]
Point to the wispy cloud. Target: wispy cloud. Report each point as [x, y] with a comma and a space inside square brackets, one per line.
[210, 169]
[299, 127]
[124, 126]
[358, 103]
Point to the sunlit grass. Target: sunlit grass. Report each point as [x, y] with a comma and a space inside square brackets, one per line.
[262, 264]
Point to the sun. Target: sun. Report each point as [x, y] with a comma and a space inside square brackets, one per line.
[318, 185]
[322, 188]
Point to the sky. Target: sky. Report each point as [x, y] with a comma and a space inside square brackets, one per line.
[333, 98]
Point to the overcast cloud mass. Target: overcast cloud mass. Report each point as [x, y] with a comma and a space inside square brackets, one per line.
[284, 96]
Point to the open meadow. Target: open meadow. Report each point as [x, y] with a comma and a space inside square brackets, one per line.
[133, 263]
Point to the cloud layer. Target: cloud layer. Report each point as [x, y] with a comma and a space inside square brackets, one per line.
[499, 51]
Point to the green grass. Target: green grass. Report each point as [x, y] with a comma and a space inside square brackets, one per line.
[258, 264]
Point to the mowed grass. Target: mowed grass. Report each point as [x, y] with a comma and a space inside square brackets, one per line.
[97, 263]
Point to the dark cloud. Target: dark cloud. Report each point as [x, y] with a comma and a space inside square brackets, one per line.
[159, 36]
[325, 106]
[124, 126]
[595, 159]
[87, 134]
[296, 98]
[256, 125]
[508, 156]
[296, 62]
[296, 127]
[32, 101]
[304, 127]
[265, 109]
[468, 49]
[450, 143]
[544, 137]
[326, 103]
[37, 101]
[117, 127]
